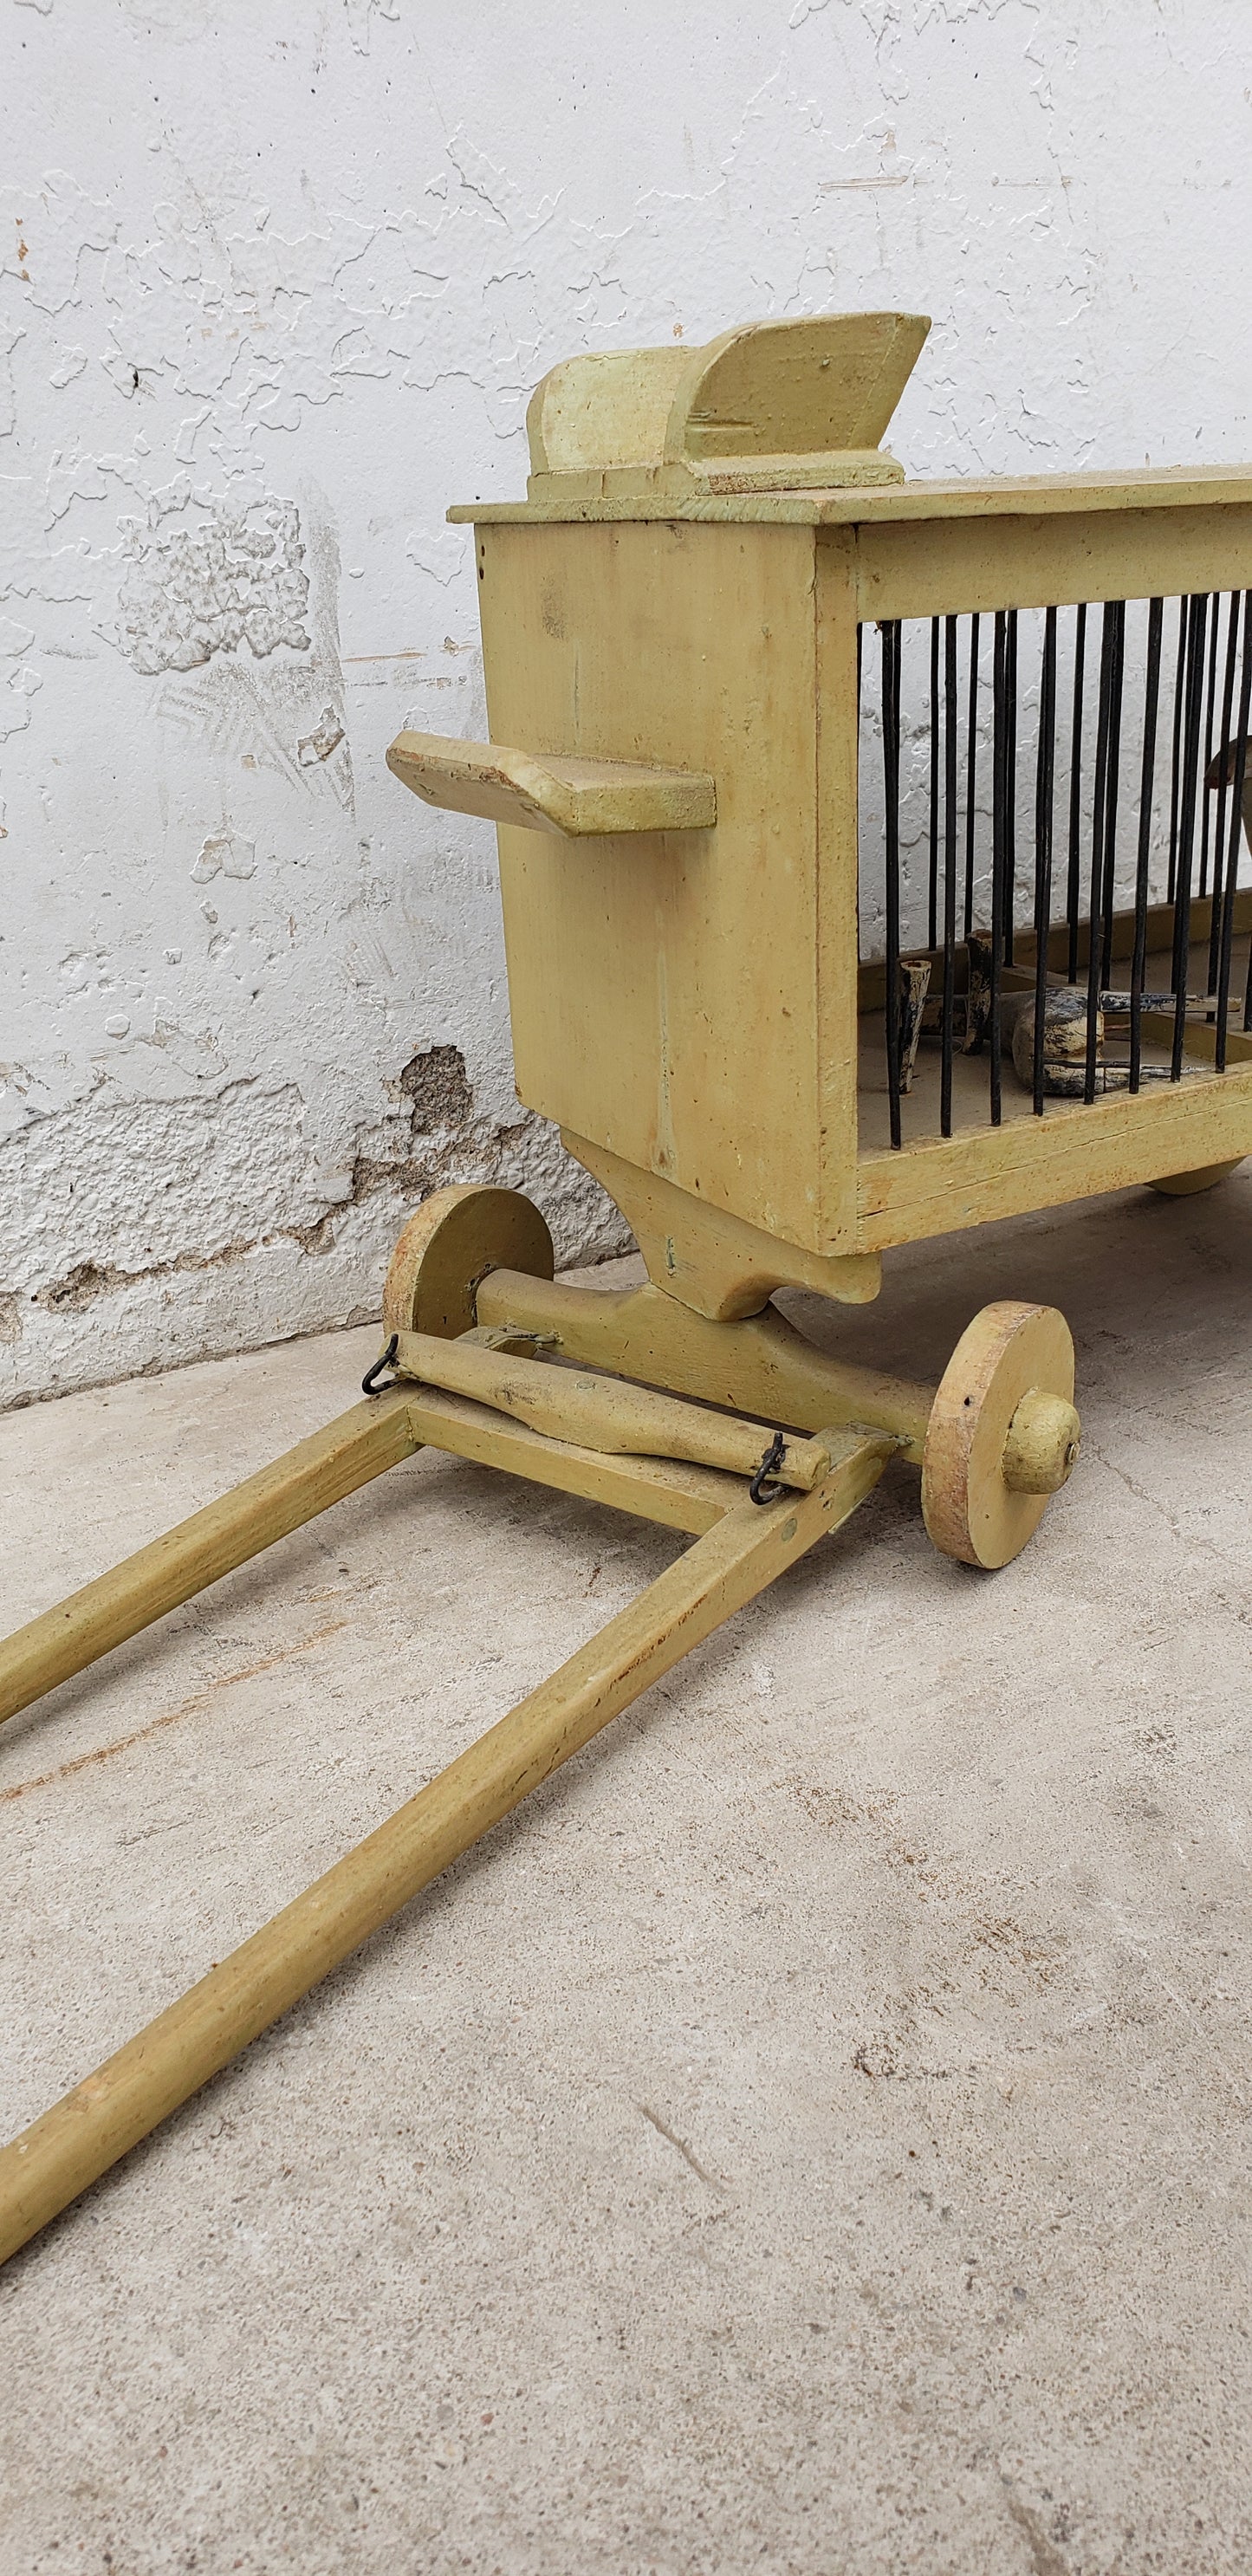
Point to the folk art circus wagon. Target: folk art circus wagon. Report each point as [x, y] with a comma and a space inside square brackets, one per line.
[870, 855]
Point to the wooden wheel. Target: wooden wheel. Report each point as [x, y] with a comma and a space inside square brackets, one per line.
[1003, 1434]
[455, 1238]
[1184, 1185]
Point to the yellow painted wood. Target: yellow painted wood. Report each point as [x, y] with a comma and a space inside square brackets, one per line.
[1077, 1150]
[980, 497]
[762, 1365]
[72, 2144]
[1041, 1446]
[711, 1260]
[448, 1245]
[766, 406]
[669, 1491]
[836, 894]
[663, 997]
[570, 798]
[603, 1413]
[361, 1444]
[1188, 1185]
[1010, 1352]
[952, 566]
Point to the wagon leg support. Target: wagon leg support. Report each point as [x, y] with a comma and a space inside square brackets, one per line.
[85, 2133]
[359, 1445]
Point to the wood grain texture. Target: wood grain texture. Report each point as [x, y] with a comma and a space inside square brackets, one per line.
[1076, 1151]
[979, 497]
[569, 797]
[663, 997]
[1009, 1351]
[361, 1444]
[603, 1413]
[951, 566]
[762, 1365]
[86, 2132]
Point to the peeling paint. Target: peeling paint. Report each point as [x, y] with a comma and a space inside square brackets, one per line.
[276, 304]
[237, 579]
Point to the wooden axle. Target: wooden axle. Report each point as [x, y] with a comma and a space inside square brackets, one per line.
[765, 1362]
[604, 1413]
[85, 2133]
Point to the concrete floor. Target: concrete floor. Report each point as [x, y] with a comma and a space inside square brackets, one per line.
[811, 2136]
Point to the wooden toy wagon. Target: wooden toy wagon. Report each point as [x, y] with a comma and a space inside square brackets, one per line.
[870, 855]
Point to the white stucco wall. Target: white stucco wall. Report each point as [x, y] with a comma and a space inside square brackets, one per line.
[276, 282]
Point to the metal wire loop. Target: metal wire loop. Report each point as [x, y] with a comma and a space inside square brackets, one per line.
[369, 1383]
[760, 1490]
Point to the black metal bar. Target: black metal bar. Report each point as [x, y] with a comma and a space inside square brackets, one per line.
[971, 766]
[1098, 820]
[1043, 842]
[1175, 773]
[891, 793]
[1151, 696]
[1010, 781]
[1112, 783]
[1222, 792]
[1236, 832]
[1209, 697]
[999, 751]
[949, 870]
[932, 912]
[1196, 624]
[1073, 888]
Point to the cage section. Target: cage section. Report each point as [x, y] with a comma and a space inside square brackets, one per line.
[1055, 878]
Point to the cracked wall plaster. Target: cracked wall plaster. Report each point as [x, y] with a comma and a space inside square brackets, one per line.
[274, 288]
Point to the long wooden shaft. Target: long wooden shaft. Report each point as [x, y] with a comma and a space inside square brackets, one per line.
[375, 1435]
[89, 2129]
[761, 1365]
[604, 1413]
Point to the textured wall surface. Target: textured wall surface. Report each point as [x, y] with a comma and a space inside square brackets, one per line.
[274, 286]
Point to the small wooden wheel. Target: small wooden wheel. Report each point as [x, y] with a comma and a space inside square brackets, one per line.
[1003, 1433]
[448, 1247]
[1184, 1185]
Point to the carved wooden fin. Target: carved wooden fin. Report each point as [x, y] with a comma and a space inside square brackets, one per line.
[771, 406]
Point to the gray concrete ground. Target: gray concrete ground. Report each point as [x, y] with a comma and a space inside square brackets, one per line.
[811, 2136]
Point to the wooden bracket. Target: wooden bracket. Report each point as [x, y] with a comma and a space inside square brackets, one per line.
[547, 793]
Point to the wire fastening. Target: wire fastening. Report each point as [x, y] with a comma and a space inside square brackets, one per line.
[759, 1490]
[369, 1383]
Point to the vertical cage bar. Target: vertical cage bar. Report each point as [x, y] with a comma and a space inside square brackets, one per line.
[999, 799]
[949, 870]
[1010, 781]
[1151, 696]
[1098, 819]
[971, 765]
[1210, 693]
[1236, 830]
[932, 909]
[891, 793]
[1222, 791]
[1073, 885]
[1043, 843]
[1175, 771]
[1192, 710]
[1112, 784]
